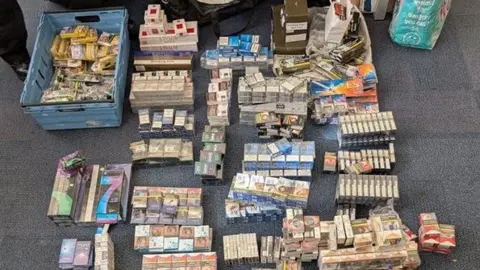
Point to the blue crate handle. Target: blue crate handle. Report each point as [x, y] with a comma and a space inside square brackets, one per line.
[71, 110]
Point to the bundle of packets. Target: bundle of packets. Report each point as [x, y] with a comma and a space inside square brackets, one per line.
[167, 205]
[162, 89]
[104, 250]
[270, 249]
[172, 238]
[248, 113]
[280, 192]
[162, 152]
[240, 249]
[168, 123]
[84, 65]
[218, 97]
[369, 129]
[290, 64]
[301, 236]
[210, 165]
[255, 89]
[76, 254]
[347, 209]
[380, 161]
[276, 126]
[435, 237]
[366, 189]
[249, 212]
[295, 160]
[289, 264]
[157, 34]
[79, 194]
[237, 52]
[200, 260]
[327, 109]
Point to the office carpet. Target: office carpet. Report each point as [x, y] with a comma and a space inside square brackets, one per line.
[434, 95]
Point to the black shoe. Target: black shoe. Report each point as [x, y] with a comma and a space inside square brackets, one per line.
[21, 69]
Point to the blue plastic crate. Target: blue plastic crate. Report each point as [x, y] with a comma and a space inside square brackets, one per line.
[81, 114]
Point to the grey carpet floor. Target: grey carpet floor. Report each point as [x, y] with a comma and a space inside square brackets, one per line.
[435, 96]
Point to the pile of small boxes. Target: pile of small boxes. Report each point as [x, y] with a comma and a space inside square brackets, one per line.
[382, 161]
[160, 89]
[218, 97]
[76, 254]
[297, 162]
[240, 249]
[167, 205]
[255, 89]
[366, 129]
[200, 260]
[168, 123]
[435, 237]
[172, 238]
[210, 165]
[270, 249]
[104, 250]
[157, 34]
[279, 192]
[366, 189]
[248, 113]
[237, 52]
[301, 236]
[237, 211]
[162, 152]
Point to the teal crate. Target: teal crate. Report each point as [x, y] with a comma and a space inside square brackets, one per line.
[79, 114]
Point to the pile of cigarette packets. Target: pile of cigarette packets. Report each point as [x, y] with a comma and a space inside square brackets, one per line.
[157, 34]
[200, 260]
[167, 205]
[297, 162]
[381, 161]
[76, 254]
[365, 130]
[255, 89]
[162, 152]
[279, 192]
[237, 211]
[210, 165]
[104, 250]
[167, 123]
[366, 189]
[218, 97]
[81, 193]
[237, 52]
[240, 249]
[172, 238]
[435, 237]
[270, 249]
[162, 89]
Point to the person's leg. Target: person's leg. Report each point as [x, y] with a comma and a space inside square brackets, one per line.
[13, 37]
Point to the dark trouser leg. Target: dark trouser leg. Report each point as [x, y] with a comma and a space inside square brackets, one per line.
[13, 35]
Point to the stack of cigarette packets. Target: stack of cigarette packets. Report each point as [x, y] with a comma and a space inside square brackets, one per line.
[210, 165]
[167, 123]
[270, 249]
[248, 212]
[237, 52]
[256, 89]
[104, 250]
[162, 89]
[367, 129]
[157, 34]
[298, 162]
[76, 254]
[167, 205]
[301, 236]
[280, 192]
[248, 113]
[172, 238]
[366, 189]
[435, 237]
[162, 152]
[218, 97]
[382, 161]
[200, 260]
[240, 249]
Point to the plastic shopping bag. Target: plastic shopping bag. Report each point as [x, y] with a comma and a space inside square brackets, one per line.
[337, 21]
[418, 23]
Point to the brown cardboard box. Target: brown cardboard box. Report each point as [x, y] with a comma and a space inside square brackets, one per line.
[278, 36]
[295, 22]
